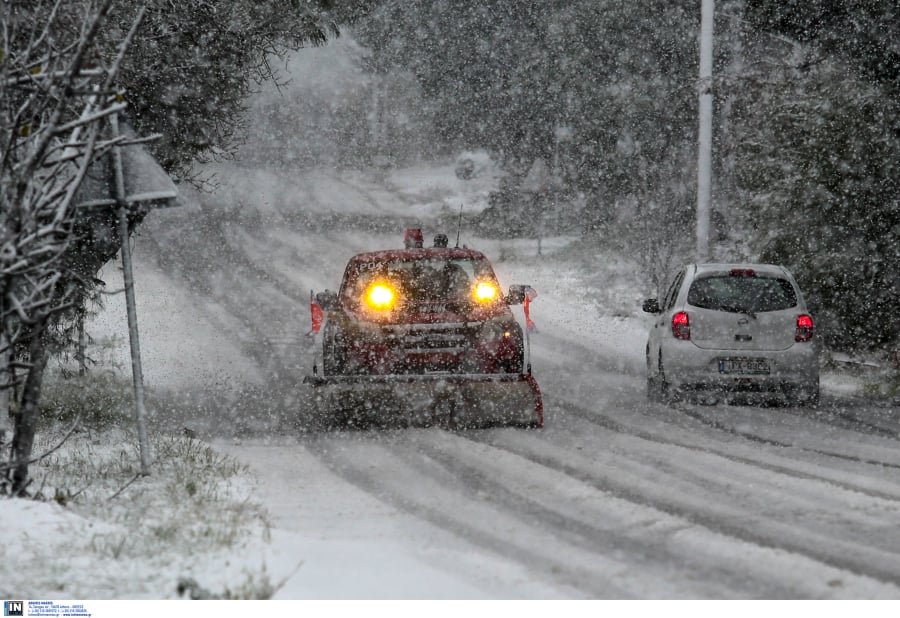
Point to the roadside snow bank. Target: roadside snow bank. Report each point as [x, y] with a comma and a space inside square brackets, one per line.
[105, 532]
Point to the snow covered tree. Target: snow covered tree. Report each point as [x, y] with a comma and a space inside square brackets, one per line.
[57, 88]
[863, 32]
[817, 141]
[819, 164]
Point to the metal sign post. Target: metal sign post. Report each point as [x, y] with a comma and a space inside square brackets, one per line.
[131, 178]
[136, 179]
[140, 412]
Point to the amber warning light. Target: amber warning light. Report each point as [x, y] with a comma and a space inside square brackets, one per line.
[485, 291]
[380, 296]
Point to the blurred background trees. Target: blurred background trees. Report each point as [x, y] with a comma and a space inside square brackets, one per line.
[807, 129]
[195, 63]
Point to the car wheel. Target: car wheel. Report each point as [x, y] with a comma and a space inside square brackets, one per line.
[651, 388]
[658, 389]
[808, 397]
[652, 382]
[666, 392]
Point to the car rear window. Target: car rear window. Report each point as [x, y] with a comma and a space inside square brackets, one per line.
[742, 294]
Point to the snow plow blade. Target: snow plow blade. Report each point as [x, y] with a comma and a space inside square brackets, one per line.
[454, 400]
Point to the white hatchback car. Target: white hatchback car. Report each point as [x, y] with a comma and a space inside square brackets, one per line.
[724, 328]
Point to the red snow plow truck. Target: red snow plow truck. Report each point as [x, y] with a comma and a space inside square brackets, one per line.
[423, 335]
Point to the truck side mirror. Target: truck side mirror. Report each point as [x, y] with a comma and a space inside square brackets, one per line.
[651, 305]
[327, 300]
[516, 294]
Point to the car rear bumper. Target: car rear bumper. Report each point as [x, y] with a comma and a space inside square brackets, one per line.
[689, 367]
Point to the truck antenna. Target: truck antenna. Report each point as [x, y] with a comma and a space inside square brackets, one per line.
[459, 225]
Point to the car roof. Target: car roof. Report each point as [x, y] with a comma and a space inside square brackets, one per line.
[417, 254]
[724, 268]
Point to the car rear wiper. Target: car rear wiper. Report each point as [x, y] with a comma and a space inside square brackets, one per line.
[733, 309]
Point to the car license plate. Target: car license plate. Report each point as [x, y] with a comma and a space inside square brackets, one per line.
[745, 366]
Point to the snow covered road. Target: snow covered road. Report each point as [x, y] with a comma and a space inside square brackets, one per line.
[616, 497]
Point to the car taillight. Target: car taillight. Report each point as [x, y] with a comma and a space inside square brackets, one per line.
[804, 328]
[742, 272]
[681, 325]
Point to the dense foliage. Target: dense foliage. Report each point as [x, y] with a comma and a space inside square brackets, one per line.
[818, 159]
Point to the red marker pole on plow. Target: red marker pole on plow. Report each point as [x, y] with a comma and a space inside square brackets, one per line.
[317, 316]
[530, 326]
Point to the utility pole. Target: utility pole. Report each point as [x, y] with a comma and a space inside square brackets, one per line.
[704, 137]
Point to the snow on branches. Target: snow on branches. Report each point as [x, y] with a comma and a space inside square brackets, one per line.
[57, 89]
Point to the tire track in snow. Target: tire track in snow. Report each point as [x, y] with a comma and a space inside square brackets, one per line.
[849, 405]
[780, 463]
[376, 469]
[577, 511]
[719, 425]
[832, 417]
[834, 411]
[761, 490]
[645, 550]
[644, 485]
